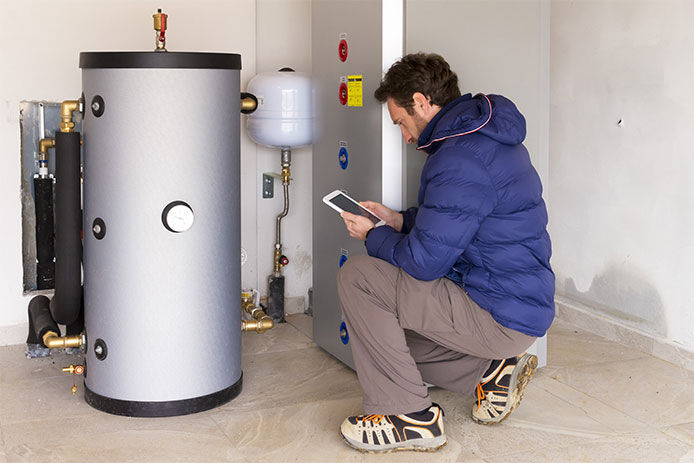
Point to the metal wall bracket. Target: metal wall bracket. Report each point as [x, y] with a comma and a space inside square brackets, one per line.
[269, 184]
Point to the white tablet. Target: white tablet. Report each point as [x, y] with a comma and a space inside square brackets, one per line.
[339, 201]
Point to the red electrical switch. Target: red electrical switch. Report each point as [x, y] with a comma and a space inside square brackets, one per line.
[342, 50]
[343, 93]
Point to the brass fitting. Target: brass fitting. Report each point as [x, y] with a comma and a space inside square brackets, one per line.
[157, 20]
[248, 104]
[276, 261]
[44, 145]
[53, 341]
[66, 110]
[247, 302]
[286, 175]
[249, 307]
[259, 326]
[74, 369]
[261, 323]
[160, 20]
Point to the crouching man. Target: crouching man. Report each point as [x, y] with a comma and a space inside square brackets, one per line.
[454, 291]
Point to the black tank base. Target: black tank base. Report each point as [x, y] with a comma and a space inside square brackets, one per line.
[162, 409]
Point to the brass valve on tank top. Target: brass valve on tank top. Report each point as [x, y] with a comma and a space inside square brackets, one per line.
[160, 20]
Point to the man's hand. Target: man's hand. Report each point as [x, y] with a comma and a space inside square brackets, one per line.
[357, 225]
[392, 218]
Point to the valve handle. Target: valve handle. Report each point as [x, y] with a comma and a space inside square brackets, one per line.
[284, 261]
[74, 370]
[162, 33]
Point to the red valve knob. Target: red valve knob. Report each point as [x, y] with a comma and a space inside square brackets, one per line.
[342, 94]
[284, 261]
[342, 50]
[79, 369]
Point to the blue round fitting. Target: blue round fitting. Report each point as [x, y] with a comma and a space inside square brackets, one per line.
[343, 259]
[344, 334]
[343, 158]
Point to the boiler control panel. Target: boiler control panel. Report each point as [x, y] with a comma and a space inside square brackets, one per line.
[347, 69]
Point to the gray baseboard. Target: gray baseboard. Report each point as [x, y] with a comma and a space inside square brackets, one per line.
[588, 319]
[14, 334]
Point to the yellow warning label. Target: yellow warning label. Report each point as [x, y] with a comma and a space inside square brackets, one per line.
[354, 91]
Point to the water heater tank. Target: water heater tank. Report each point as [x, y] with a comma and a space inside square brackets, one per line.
[162, 268]
[283, 118]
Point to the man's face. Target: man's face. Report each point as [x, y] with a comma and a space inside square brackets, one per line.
[411, 125]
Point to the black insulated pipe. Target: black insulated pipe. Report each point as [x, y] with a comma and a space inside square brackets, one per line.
[77, 326]
[275, 300]
[40, 320]
[45, 250]
[65, 305]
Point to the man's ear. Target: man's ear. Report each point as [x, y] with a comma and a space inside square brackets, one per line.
[421, 103]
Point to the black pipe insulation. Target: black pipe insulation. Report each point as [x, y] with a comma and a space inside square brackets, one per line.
[65, 305]
[77, 326]
[45, 250]
[40, 320]
[275, 300]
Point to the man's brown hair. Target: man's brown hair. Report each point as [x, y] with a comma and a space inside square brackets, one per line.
[427, 73]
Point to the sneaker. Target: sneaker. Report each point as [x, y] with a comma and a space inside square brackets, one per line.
[421, 431]
[502, 387]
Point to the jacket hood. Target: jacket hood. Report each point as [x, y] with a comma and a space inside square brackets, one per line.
[492, 115]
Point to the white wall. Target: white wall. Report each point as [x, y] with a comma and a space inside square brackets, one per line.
[622, 211]
[39, 57]
[495, 46]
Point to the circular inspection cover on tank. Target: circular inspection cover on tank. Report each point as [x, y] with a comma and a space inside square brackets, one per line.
[153, 60]
[178, 217]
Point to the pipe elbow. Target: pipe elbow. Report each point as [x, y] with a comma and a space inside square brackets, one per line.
[45, 144]
[66, 110]
[53, 341]
[66, 303]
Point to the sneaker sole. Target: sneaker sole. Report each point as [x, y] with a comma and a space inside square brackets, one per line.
[520, 378]
[417, 445]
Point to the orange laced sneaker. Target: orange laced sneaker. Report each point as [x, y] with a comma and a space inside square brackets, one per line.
[502, 388]
[385, 433]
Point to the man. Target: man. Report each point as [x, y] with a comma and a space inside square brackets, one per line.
[454, 290]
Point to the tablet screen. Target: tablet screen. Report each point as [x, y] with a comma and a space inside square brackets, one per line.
[346, 204]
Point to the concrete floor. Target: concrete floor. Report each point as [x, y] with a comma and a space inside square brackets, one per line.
[597, 401]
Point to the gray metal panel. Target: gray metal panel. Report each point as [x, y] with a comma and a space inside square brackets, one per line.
[166, 304]
[360, 128]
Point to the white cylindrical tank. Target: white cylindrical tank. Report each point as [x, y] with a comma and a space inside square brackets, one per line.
[283, 118]
[162, 271]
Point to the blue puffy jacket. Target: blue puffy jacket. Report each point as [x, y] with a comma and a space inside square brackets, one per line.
[481, 219]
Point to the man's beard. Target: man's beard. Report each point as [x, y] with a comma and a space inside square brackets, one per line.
[420, 124]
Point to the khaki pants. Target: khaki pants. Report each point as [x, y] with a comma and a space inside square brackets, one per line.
[405, 332]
